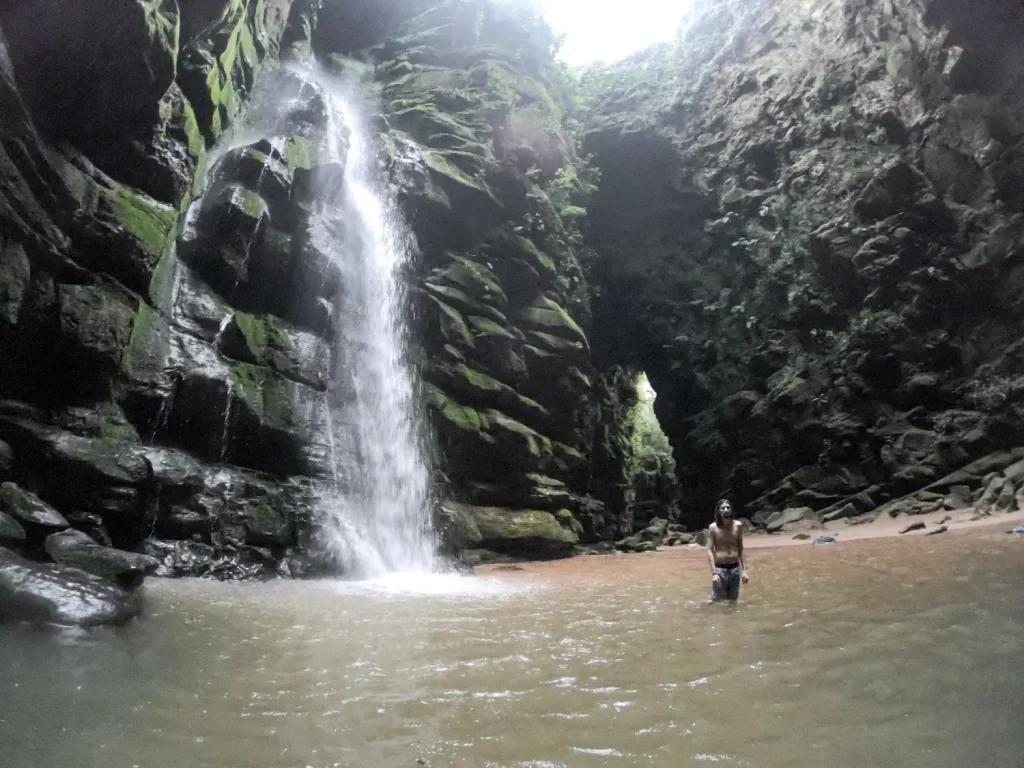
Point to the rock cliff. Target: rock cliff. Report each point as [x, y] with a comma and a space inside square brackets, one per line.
[810, 237]
[803, 220]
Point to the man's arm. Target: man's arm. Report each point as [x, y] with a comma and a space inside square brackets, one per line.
[739, 551]
[712, 541]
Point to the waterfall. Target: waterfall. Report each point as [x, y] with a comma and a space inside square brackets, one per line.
[376, 517]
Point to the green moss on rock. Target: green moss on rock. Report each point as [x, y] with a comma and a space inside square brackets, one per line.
[527, 532]
[26, 507]
[95, 325]
[14, 280]
[11, 531]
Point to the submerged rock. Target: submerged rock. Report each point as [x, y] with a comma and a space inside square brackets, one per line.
[41, 593]
[824, 540]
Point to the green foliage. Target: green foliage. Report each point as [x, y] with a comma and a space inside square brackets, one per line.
[649, 446]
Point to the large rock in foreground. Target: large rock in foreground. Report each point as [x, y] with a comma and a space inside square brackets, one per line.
[40, 593]
[76, 550]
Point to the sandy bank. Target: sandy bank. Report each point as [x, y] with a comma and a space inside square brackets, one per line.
[780, 553]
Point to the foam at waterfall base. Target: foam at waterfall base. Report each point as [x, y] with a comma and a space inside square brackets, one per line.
[411, 583]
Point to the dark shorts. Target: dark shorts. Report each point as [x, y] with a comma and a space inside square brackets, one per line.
[728, 586]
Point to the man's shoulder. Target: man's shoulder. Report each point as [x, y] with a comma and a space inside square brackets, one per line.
[713, 527]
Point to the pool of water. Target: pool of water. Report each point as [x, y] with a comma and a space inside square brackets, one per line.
[871, 653]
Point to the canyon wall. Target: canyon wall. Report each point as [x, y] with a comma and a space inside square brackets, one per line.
[803, 219]
[810, 237]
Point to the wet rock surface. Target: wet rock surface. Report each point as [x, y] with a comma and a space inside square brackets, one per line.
[74, 549]
[41, 593]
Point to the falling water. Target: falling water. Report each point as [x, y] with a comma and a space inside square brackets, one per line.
[377, 521]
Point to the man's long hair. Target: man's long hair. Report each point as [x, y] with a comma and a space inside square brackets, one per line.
[718, 512]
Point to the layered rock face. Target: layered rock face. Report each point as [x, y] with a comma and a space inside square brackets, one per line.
[810, 233]
[166, 301]
[476, 141]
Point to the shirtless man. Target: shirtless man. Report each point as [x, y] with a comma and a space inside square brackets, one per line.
[725, 553]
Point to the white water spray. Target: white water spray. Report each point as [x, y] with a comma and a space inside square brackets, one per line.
[377, 520]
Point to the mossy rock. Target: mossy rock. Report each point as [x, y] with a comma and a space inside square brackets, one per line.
[261, 168]
[524, 532]
[219, 67]
[484, 326]
[148, 347]
[547, 316]
[95, 326]
[558, 346]
[479, 388]
[27, 508]
[464, 303]
[566, 519]
[516, 442]
[232, 226]
[512, 247]
[450, 322]
[275, 424]
[15, 272]
[454, 419]
[264, 515]
[265, 393]
[74, 549]
[475, 280]
[268, 341]
[11, 531]
[106, 475]
[118, 229]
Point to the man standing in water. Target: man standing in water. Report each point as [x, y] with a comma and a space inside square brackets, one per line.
[725, 553]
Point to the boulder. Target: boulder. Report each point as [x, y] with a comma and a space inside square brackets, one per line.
[6, 459]
[95, 324]
[41, 593]
[959, 497]
[14, 282]
[29, 508]
[11, 531]
[794, 518]
[998, 495]
[847, 510]
[74, 549]
[521, 532]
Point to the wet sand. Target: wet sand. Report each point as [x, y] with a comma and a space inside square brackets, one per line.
[693, 559]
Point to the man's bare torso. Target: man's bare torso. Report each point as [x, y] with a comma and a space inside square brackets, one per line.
[725, 543]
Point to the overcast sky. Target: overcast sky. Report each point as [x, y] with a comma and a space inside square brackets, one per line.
[608, 30]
